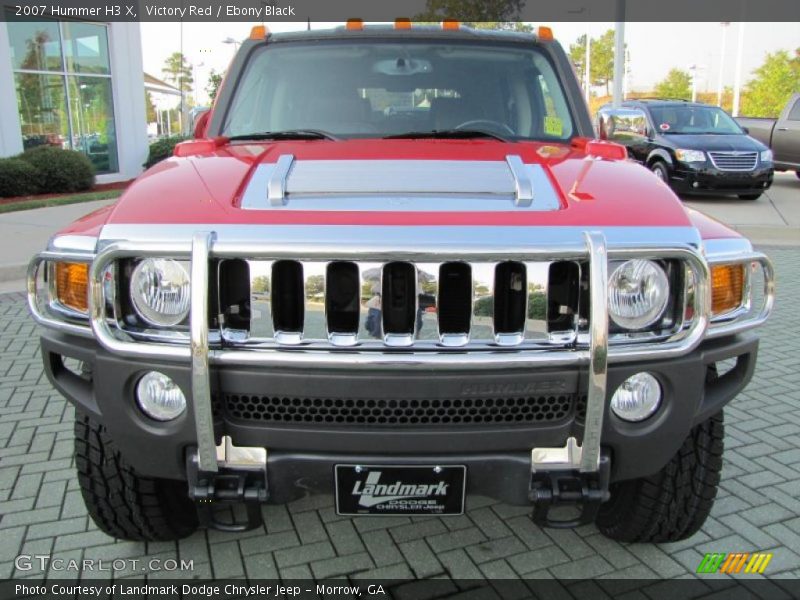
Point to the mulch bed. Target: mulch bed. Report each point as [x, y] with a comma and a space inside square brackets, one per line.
[99, 187]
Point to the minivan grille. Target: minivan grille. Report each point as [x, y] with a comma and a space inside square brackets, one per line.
[734, 161]
[375, 412]
[400, 304]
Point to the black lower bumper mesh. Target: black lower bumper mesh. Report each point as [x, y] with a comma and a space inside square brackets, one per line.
[399, 412]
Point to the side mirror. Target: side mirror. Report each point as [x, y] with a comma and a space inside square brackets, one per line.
[746, 130]
[201, 124]
[606, 150]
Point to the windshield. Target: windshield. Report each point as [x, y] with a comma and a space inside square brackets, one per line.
[377, 89]
[693, 119]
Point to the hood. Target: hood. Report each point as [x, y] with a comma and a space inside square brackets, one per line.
[400, 183]
[714, 143]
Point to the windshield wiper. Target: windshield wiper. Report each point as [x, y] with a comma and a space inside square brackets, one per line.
[447, 134]
[289, 134]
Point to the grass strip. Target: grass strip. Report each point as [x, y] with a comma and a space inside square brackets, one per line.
[59, 200]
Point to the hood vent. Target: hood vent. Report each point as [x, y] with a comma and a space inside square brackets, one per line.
[414, 185]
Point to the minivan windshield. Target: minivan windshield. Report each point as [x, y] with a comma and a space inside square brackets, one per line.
[400, 89]
[694, 120]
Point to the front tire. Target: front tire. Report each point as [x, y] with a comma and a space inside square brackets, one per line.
[661, 171]
[750, 196]
[673, 503]
[121, 502]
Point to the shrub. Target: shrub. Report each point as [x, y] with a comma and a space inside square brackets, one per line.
[162, 149]
[60, 171]
[17, 178]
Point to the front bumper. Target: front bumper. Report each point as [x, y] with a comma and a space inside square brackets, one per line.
[301, 456]
[710, 181]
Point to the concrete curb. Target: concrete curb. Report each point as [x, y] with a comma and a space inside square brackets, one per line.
[13, 272]
[771, 236]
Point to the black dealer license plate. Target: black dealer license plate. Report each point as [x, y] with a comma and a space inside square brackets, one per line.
[400, 490]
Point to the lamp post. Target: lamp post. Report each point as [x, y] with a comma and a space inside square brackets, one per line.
[737, 83]
[587, 69]
[619, 52]
[236, 43]
[720, 87]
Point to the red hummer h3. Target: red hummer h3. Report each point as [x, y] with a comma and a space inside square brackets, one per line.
[395, 266]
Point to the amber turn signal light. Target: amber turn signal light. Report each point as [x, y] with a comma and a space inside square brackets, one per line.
[727, 288]
[72, 285]
[545, 34]
[259, 32]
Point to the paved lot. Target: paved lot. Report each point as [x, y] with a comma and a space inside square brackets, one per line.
[772, 219]
[758, 508]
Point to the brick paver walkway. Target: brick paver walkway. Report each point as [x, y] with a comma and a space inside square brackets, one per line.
[758, 508]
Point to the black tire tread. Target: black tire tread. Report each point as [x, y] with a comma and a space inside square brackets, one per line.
[121, 502]
[673, 503]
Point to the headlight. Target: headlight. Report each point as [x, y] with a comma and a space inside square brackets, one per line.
[638, 291]
[691, 155]
[160, 291]
[766, 156]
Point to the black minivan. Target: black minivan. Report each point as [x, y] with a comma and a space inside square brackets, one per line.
[695, 148]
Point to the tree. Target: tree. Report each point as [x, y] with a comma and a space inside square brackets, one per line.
[774, 82]
[677, 84]
[577, 54]
[602, 55]
[214, 81]
[150, 108]
[178, 72]
[503, 12]
[502, 25]
[260, 284]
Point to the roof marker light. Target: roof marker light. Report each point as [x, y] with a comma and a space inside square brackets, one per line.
[451, 24]
[259, 32]
[354, 24]
[545, 34]
[402, 23]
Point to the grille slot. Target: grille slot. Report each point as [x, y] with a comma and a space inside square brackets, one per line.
[455, 298]
[399, 298]
[734, 161]
[342, 297]
[288, 307]
[403, 412]
[509, 297]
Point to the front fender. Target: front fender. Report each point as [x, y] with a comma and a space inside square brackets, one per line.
[660, 154]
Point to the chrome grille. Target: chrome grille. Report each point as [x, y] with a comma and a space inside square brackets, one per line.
[734, 161]
[401, 304]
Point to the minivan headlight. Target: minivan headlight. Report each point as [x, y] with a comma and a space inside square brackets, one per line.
[766, 156]
[638, 291]
[690, 155]
[160, 291]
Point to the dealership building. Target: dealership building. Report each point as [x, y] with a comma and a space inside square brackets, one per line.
[78, 85]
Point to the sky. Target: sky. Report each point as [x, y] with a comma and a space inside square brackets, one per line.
[654, 48]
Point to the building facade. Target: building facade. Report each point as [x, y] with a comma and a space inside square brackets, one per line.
[77, 85]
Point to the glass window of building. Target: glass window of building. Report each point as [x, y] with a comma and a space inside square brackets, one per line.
[62, 75]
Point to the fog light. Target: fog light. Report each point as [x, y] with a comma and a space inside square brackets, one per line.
[637, 398]
[159, 397]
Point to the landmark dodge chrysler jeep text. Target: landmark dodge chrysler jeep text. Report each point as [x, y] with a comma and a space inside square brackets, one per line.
[395, 266]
